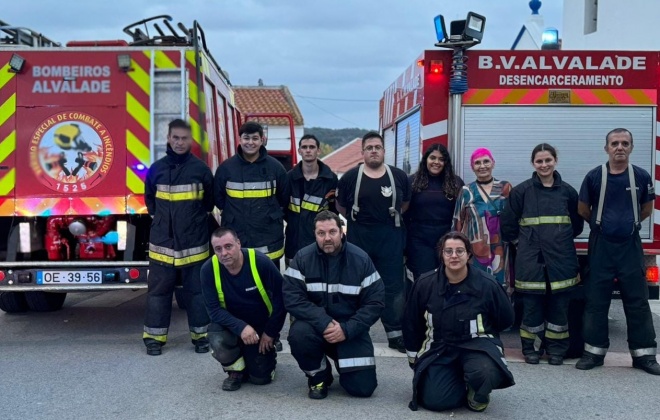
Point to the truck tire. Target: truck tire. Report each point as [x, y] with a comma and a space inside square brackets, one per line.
[178, 296]
[45, 301]
[13, 302]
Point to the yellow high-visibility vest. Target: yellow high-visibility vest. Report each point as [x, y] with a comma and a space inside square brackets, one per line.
[255, 276]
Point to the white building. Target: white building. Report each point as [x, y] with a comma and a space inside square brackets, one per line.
[611, 25]
[529, 37]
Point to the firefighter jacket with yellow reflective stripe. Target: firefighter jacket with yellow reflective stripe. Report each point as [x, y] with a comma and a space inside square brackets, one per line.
[252, 196]
[468, 315]
[244, 305]
[545, 221]
[306, 199]
[346, 287]
[178, 193]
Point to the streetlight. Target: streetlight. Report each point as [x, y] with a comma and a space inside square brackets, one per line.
[463, 34]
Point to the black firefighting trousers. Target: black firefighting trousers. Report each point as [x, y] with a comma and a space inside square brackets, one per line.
[545, 323]
[354, 359]
[385, 244]
[443, 384]
[228, 349]
[623, 261]
[161, 283]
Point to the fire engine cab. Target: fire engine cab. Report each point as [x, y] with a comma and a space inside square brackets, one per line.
[515, 100]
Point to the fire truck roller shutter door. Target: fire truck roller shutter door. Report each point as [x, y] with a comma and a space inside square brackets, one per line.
[578, 134]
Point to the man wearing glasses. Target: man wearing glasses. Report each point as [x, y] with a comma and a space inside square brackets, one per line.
[373, 197]
[249, 189]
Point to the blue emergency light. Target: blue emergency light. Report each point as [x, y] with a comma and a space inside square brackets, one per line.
[550, 39]
[440, 29]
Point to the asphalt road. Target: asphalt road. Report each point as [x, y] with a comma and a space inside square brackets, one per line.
[88, 361]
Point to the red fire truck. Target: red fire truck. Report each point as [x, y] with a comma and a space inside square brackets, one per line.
[79, 126]
[517, 99]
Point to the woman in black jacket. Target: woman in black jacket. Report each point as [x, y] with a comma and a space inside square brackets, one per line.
[541, 214]
[451, 328]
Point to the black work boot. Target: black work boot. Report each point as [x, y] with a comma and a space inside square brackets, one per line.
[647, 364]
[589, 361]
[473, 405]
[532, 358]
[154, 349]
[320, 391]
[397, 344]
[278, 345]
[555, 360]
[234, 381]
[201, 345]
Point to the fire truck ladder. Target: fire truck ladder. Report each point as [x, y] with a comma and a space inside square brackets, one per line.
[17, 35]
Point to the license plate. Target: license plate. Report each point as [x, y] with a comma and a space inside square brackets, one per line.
[69, 277]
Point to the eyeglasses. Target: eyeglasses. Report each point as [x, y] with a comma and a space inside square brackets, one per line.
[372, 148]
[448, 252]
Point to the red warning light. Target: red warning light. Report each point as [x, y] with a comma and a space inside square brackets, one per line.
[436, 67]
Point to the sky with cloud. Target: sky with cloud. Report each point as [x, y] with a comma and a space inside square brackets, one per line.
[337, 57]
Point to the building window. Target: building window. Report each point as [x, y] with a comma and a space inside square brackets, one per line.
[590, 16]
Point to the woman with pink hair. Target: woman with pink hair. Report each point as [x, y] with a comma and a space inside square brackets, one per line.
[477, 215]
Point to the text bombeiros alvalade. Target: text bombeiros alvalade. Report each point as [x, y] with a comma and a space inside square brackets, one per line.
[71, 79]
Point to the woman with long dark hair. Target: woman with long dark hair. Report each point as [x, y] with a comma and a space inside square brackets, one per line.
[542, 215]
[431, 210]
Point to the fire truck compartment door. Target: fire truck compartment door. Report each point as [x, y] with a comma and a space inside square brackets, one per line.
[578, 134]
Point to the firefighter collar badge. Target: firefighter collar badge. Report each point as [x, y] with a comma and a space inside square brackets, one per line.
[71, 152]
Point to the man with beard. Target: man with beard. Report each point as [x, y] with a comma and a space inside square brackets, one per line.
[372, 197]
[334, 293]
[243, 294]
[311, 185]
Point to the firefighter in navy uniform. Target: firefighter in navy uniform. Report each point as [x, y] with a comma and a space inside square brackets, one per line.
[243, 294]
[179, 196]
[614, 199]
[311, 185]
[373, 197]
[250, 191]
[334, 293]
[451, 327]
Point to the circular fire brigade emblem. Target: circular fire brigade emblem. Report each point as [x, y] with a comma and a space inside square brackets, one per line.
[71, 152]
